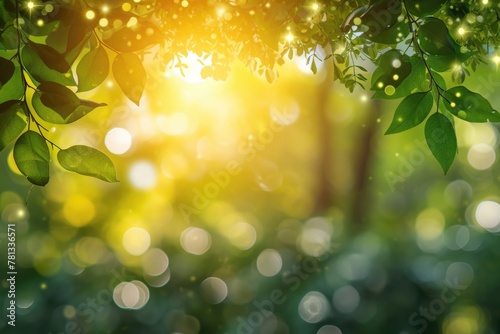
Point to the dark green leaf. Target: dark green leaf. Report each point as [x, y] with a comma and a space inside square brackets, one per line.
[40, 72]
[130, 75]
[469, 106]
[7, 69]
[88, 161]
[435, 39]
[92, 69]
[411, 112]
[393, 35]
[58, 98]
[381, 16]
[414, 81]
[57, 104]
[12, 121]
[424, 8]
[393, 69]
[50, 57]
[441, 139]
[31, 155]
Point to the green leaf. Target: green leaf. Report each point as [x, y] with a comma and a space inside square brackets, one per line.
[31, 155]
[8, 38]
[50, 57]
[130, 75]
[12, 89]
[381, 16]
[447, 62]
[411, 112]
[423, 8]
[57, 104]
[40, 72]
[469, 106]
[441, 139]
[7, 69]
[435, 39]
[12, 121]
[87, 161]
[415, 80]
[393, 69]
[92, 69]
[393, 35]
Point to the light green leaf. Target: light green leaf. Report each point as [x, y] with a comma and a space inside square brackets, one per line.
[12, 89]
[87, 161]
[31, 155]
[469, 106]
[441, 139]
[412, 111]
[93, 69]
[130, 75]
[12, 121]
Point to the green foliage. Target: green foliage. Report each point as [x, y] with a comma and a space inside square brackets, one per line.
[93, 69]
[412, 111]
[130, 75]
[57, 104]
[32, 156]
[7, 69]
[441, 139]
[87, 161]
[408, 42]
[469, 106]
[12, 121]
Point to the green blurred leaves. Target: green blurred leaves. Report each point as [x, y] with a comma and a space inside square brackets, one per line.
[31, 155]
[87, 161]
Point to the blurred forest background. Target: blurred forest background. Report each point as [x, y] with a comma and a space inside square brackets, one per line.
[249, 207]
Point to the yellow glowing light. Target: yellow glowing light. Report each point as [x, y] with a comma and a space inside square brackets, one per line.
[453, 104]
[485, 2]
[103, 22]
[461, 31]
[290, 37]
[185, 3]
[496, 60]
[39, 22]
[105, 9]
[31, 5]
[126, 7]
[315, 6]
[90, 14]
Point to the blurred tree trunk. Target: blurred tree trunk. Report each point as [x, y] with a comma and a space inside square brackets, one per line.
[324, 193]
[368, 143]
